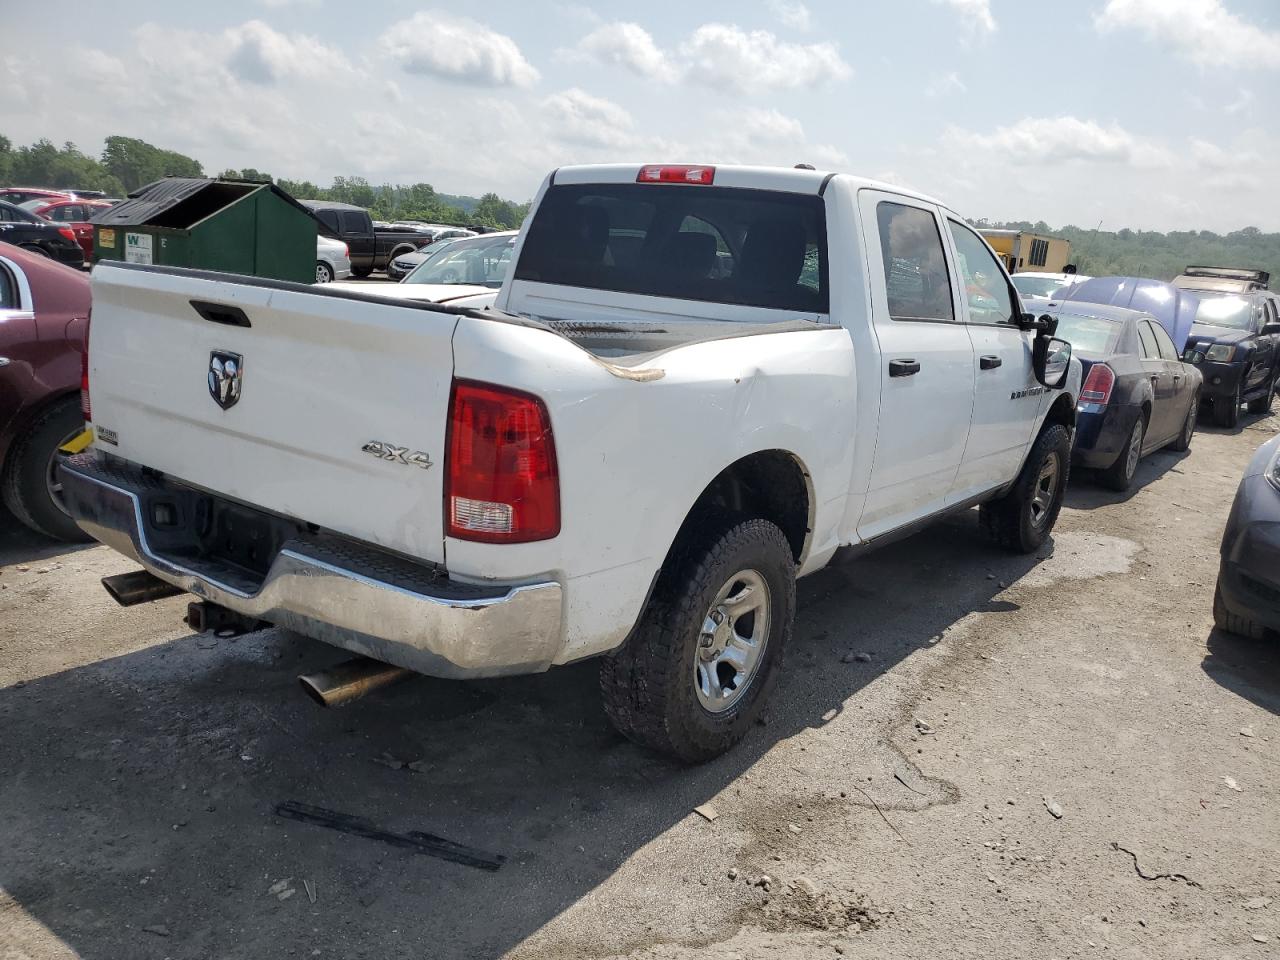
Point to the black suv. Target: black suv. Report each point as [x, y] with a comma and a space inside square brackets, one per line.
[1235, 340]
[32, 233]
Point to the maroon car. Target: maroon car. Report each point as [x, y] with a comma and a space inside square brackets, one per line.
[44, 323]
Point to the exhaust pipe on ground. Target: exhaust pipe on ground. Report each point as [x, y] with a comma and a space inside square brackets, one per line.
[139, 586]
[350, 680]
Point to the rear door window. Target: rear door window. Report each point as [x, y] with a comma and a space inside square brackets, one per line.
[915, 268]
[1164, 343]
[1149, 347]
[757, 248]
[8, 290]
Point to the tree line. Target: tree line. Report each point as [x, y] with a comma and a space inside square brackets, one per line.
[127, 163]
[1161, 256]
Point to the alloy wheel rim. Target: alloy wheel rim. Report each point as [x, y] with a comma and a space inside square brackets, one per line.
[1135, 450]
[732, 641]
[322, 273]
[1189, 427]
[51, 482]
[1045, 490]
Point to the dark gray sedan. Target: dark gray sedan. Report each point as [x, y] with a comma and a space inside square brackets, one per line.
[1247, 600]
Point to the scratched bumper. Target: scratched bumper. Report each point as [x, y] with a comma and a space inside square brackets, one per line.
[328, 587]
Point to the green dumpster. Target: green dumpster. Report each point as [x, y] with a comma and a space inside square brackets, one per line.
[236, 226]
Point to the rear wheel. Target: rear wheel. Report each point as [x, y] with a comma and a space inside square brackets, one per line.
[1119, 476]
[324, 272]
[361, 272]
[1022, 519]
[31, 487]
[1228, 621]
[1183, 443]
[1263, 403]
[706, 654]
[1226, 410]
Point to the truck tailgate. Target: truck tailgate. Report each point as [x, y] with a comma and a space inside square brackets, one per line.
[321, 378]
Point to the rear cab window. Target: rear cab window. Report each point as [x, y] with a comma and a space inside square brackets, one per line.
[759, 248]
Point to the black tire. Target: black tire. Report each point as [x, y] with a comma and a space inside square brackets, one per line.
[1226, 410]
[1011, 521]
[1263, 403]
[1119, 476]
[648, 686]
[361, 272]
[25, 485]
[324, 272]
[1228, 621]
[1183, 442]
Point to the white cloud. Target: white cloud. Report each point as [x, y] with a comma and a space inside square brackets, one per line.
[718, 55]
[1240, 103]
[946, 84]
[578, 117]
[976, 14]
[1202, 31]
[261, 54]
[792, 13]
[628, 45]
[1049, 141]
[727, 57]
[772, 126]
[276, 4]
[457, 48]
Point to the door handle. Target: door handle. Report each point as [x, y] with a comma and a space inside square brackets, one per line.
[989, 363]
[904, 368]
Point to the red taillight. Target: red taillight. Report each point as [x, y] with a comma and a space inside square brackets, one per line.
[502, 484]
[346, 251]
[68, 233]
[1098, 384]
[677, 173]
[86, 407]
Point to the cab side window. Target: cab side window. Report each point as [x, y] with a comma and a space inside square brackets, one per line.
[915, 268]
[1149, 348]
[985, 288]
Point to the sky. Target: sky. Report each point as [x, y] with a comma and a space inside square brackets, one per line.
[1150, 114]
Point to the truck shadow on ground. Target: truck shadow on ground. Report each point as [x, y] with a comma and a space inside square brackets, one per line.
[140, 791]
[1248, 668]
[19, 544]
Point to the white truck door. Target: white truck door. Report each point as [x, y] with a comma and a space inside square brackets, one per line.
[927, 363]
[1007, 397]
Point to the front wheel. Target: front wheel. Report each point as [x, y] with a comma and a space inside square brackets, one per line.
[706, 654]
[1183, 443]
[1226, 410]
[1022, 519]
[1263, 404]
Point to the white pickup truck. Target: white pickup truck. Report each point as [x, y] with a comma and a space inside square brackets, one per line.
[695, 385]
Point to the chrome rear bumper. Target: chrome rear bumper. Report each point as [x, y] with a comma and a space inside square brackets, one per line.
[328, 587]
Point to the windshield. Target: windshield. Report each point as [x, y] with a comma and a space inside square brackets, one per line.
[1088, 334]
[759, 248]
[1040, 286]
[480, 262]
[1233, 312]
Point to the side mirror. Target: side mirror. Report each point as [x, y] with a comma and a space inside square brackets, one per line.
[1271, 328]
[1051, 360]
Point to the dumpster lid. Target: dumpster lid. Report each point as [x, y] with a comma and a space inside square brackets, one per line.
[182, 202]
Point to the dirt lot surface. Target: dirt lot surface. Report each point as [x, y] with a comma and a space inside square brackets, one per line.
[1052, 756]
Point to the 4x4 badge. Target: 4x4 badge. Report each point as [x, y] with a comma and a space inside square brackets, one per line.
[226, 373]
[387, 451]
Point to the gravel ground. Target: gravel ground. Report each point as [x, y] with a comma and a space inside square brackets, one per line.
[971, 755]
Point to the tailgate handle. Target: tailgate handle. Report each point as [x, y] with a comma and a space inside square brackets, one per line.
[221, 313]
